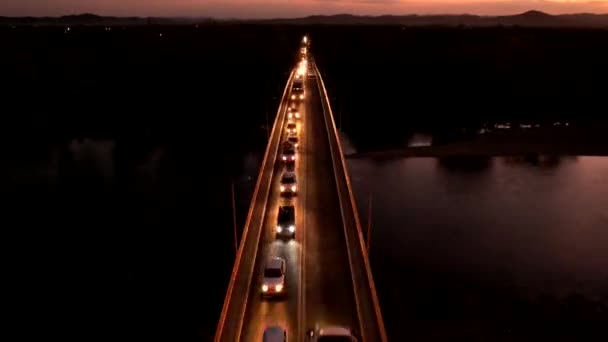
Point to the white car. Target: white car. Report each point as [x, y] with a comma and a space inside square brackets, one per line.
[273, 282]
[331, 334]
[275, 333]
[289, 184]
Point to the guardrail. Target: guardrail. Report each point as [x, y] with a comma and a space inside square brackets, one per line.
[242, 272]
[367, 304]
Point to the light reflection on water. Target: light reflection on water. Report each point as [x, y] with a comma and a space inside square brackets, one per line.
[536, 224]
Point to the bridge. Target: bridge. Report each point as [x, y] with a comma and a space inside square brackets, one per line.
[328, 280]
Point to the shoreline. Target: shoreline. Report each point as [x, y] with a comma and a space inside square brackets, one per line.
[482, 150]
[547, 141]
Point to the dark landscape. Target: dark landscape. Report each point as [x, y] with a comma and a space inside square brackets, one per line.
[123, 260]
[120, 232]
[530, 18]
[452, 82]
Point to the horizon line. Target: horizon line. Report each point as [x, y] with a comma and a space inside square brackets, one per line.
[306, 16]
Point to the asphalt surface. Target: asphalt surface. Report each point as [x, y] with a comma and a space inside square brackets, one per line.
[320, 292]
[328, 291]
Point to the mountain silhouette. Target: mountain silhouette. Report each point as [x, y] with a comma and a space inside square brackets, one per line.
[531, 18]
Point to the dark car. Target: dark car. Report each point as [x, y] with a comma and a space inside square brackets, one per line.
[289, 184]
[286, 221]
[293, 139]
[289, 155]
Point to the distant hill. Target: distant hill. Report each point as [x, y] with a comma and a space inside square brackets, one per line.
[530, 18]
[88, 19]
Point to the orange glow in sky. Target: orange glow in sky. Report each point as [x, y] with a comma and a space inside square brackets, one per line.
[292, 8]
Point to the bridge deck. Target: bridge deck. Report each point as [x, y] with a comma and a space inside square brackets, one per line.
[319, 279]
[318, 258]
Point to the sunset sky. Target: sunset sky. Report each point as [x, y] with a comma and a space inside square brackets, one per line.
[290, 8]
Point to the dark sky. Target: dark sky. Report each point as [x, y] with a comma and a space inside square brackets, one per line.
[290, 8]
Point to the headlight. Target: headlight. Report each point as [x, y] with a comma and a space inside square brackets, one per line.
[279, 229]
[264, 288]
[293, 97]
[293, 188]
[284, 158]
[282, 188]
[297, 115]
[290, 115]
[302, 97]
[293, 157]
[279, 288]
[292, 229]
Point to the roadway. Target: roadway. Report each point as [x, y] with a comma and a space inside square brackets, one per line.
[318, 282]
[328, 278]
[328, 287]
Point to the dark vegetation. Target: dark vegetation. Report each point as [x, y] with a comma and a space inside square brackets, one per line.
[122, 259]
[443, 80]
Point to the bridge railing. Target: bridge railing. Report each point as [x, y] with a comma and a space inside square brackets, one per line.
[235, 303]
[366, 298]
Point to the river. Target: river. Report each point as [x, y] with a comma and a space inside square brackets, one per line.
[478, 248]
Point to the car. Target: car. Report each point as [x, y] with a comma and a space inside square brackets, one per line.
[299, 96]
[288, 145]
[331, 334]
[290, 166]
[292, 128]
[293, 113]
[273, 281]
[288, 155]
[275, 333]
[293, 139]
[289, 184]
[286, 221]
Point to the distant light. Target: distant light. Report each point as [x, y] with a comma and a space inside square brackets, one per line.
[68, 29]
[160, 34]
[305, 39]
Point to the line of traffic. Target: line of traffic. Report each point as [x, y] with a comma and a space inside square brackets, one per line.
[240, 279]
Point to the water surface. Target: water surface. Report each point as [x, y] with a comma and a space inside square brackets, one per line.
[501, 241]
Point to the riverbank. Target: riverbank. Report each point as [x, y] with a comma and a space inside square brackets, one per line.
[544, 141]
